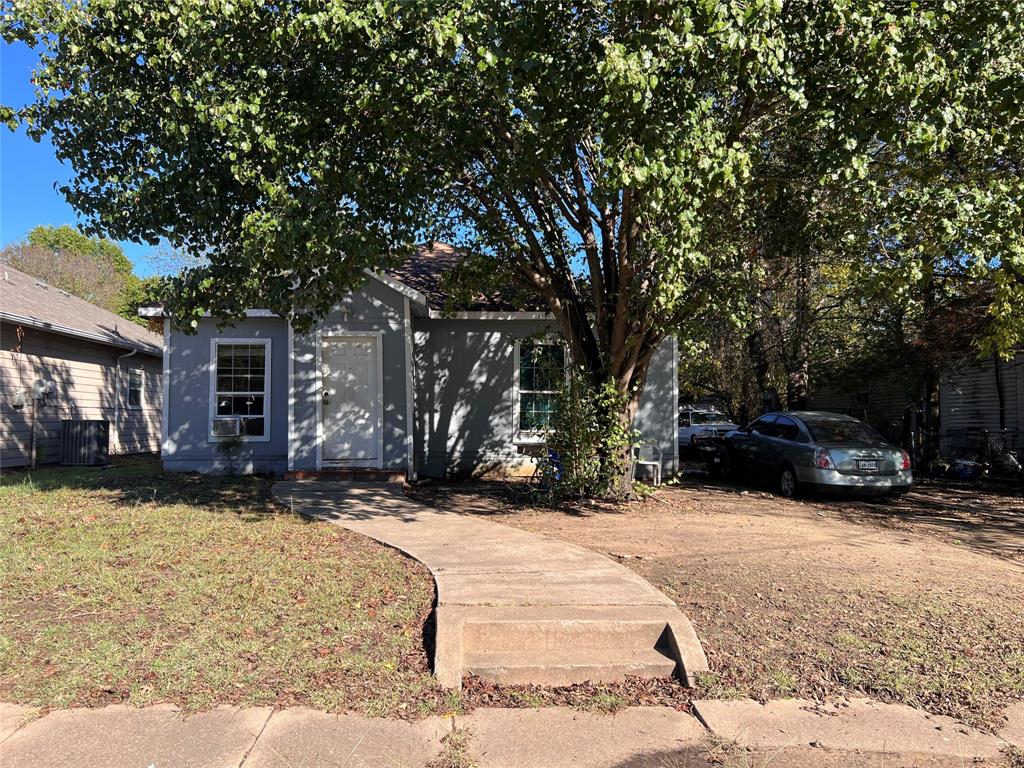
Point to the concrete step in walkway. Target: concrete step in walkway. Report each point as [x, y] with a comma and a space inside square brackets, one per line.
[513, 606]
[860, 734]
[569, 665]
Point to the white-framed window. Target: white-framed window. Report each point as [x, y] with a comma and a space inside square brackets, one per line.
[134, 395]
[240, 389]
[540, 374]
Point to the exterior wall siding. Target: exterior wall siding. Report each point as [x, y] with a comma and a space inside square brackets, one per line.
[464, 374]
[371, 311]
[87, 384]
[658, 412]
[187, 445]
[969, 401]
[465, 398]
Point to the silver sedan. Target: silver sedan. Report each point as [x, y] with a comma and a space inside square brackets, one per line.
[818, 451]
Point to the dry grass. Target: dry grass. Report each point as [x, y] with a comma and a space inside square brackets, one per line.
[124, 584]
[803, 599]
[455, 751]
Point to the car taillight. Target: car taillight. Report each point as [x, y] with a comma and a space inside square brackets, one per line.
[906, 461]
[823, 459]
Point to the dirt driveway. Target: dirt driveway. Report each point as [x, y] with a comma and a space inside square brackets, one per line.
[987, 519]
[819, 598]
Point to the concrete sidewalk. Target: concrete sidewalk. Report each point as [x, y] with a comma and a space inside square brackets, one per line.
[790, 733]
[157, 737]
[513, 606]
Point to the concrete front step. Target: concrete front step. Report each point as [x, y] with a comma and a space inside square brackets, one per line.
[568, 666]
[558, 634]
[564, 644]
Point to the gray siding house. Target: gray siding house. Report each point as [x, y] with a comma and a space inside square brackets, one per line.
[102, 367]
[388, 381]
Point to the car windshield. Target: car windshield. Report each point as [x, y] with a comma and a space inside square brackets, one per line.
[707, 417]
[842, 431]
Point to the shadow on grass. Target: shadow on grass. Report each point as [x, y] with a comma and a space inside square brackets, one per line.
[134, 480]
[494, 498]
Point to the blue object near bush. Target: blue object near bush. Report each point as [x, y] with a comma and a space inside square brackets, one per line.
[556, 464]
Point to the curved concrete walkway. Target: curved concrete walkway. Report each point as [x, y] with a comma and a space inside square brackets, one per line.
[514, 606]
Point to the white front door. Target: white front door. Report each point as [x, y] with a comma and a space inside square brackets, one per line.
[350, 400]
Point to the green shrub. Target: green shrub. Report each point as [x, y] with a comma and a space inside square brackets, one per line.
[591, 440]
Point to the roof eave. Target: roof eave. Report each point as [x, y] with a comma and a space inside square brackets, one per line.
[64, 330]
[512, 314]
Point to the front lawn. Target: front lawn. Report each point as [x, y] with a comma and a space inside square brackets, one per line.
[126, 585]
[812, 599]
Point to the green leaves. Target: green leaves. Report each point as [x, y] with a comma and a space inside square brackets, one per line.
[297, 144]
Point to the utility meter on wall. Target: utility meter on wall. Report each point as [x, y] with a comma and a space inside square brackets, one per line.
[43, 389]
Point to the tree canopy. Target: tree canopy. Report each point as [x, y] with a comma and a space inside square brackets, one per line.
[67, 239]
[612, 158]
[93, 268]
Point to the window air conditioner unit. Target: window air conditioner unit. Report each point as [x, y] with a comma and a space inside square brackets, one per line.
[229, 427]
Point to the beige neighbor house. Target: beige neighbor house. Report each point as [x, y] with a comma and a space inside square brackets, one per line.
[64, 359]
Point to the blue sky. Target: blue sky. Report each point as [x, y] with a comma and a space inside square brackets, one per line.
[29, 170]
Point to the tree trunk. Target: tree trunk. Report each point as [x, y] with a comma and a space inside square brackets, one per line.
[624, 363]
[930, 444]
[759, 357]
[621, 470]
[797, 383]
[1000, 393]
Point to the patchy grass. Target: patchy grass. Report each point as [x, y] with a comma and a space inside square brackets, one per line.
[455, 751]
[813, 600]
[586, 697]
[126, 585]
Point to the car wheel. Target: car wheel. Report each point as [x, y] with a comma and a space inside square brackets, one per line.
[787, 483]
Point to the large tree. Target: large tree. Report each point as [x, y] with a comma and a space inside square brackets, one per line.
[71, 271]
[596, 153]
[93, 268]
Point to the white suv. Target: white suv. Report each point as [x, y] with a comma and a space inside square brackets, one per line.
[705, 422]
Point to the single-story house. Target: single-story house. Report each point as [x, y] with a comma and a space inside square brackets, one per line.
[390, 379]
[64, 359]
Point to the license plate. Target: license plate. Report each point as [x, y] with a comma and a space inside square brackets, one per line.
[867, 465]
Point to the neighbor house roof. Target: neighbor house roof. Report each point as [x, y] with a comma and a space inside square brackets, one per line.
[425, 270]
[24, 300]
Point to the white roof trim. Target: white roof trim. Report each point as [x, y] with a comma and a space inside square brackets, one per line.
[64, 330]
[159, 312]
[413, 295]
[441, 315]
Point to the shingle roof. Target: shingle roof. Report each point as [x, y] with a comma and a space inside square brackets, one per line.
[425, 271]
[25, 299]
